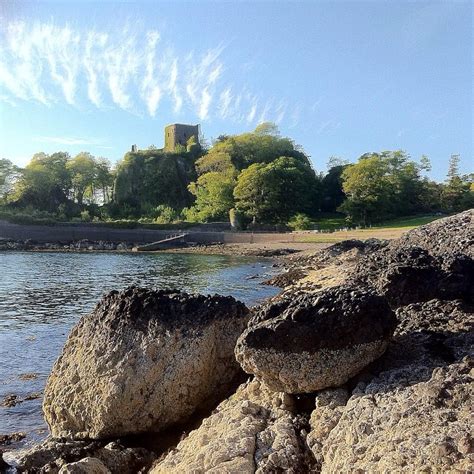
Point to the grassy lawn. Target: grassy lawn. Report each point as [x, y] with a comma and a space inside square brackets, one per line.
[384, 230]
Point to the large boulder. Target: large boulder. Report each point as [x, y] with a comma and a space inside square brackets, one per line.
[315, 341]
[255, 430]
[141, 361]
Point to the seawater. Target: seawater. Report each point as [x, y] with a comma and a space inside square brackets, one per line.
[43, 294]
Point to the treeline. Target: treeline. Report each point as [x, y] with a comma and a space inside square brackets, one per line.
[253, 178]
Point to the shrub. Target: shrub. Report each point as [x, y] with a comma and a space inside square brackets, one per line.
[165, 214]
[85, 216]
[300, 222]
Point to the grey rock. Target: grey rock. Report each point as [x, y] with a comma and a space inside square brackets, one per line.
[255, 430]
[315, 341]
[141, 361]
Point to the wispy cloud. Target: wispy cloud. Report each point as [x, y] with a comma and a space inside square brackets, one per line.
[328, 126]
[135, 71]
[69, 141]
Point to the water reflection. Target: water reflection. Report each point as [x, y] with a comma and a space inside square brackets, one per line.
[43, 294]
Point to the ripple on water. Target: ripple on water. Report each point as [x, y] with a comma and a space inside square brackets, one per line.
[42, 295]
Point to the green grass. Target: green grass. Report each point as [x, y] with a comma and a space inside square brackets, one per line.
[336, 222]
[391, 229]
[413, 221]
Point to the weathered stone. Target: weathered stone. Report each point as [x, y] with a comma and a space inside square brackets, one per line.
[329, 407]
[141, 361]
[53, 454]
[85, 466]
[410, 411]
[316, 341]
[252, 431]
[6, 439]
[421, 427]
[452, 235]
[431, 261]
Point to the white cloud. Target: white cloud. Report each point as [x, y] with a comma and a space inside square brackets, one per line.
[328, 126]
[133, 70]
[69, 141]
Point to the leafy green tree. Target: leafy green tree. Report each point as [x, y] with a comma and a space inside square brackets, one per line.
[9, 173]
[300, 221]
[457, 193]
[367, 189]
[104, 178]
[273, 192]
[214, 195]
[332, 192]
[261, 146]
[44, 183]
[82, 169]
[425, 163]
[453, 167]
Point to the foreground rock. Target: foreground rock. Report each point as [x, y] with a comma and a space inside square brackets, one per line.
[413, 411]
[141, 361]
[68, 456]
[316, 341]
[255, 430]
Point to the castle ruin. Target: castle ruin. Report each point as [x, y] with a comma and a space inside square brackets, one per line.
[179, 134]
[176, 134]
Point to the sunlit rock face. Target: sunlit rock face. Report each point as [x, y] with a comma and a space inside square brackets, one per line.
[141, 361]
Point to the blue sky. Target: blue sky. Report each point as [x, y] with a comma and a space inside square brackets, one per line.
[340, 78]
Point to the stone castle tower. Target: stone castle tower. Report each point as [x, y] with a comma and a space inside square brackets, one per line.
[179, 134]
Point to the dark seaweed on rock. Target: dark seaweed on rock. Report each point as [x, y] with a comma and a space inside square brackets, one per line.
[141, 308]
[334, 318]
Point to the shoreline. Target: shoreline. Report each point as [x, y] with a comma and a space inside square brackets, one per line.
[262, 250]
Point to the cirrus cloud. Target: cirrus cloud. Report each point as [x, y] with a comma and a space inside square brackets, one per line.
[49, 63]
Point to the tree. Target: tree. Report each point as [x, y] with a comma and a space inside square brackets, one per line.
[267, 128]
[82, 169]
[457, 193]
[425, 163]
[9, 174]
[104, 178]
[381, 185]
[273, 192]
[214, 195]
[44, 183]
[332, 193]
[453, 167]
[260, 146]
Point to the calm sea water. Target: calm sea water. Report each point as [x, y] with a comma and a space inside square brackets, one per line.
[42, 295]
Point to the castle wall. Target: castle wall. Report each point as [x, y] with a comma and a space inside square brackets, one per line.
[179, 134]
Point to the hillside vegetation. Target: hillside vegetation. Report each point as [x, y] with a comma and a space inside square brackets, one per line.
[255, 178]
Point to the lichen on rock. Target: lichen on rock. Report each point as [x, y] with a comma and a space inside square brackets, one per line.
[141, 361]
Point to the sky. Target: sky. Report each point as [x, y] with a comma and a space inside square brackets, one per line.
[339, 78]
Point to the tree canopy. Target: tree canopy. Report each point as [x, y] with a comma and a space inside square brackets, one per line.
[256, 176]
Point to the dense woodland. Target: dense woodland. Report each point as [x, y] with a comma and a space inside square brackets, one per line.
[254, 178]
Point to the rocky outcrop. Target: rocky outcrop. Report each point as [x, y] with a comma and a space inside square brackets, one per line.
[432, 261]
[412, 410]
[317, 340]
[448, 236]
[55, 456]
[381, 393]
[255, 430]
[141, 361]
[77, 245]
[85, 466]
